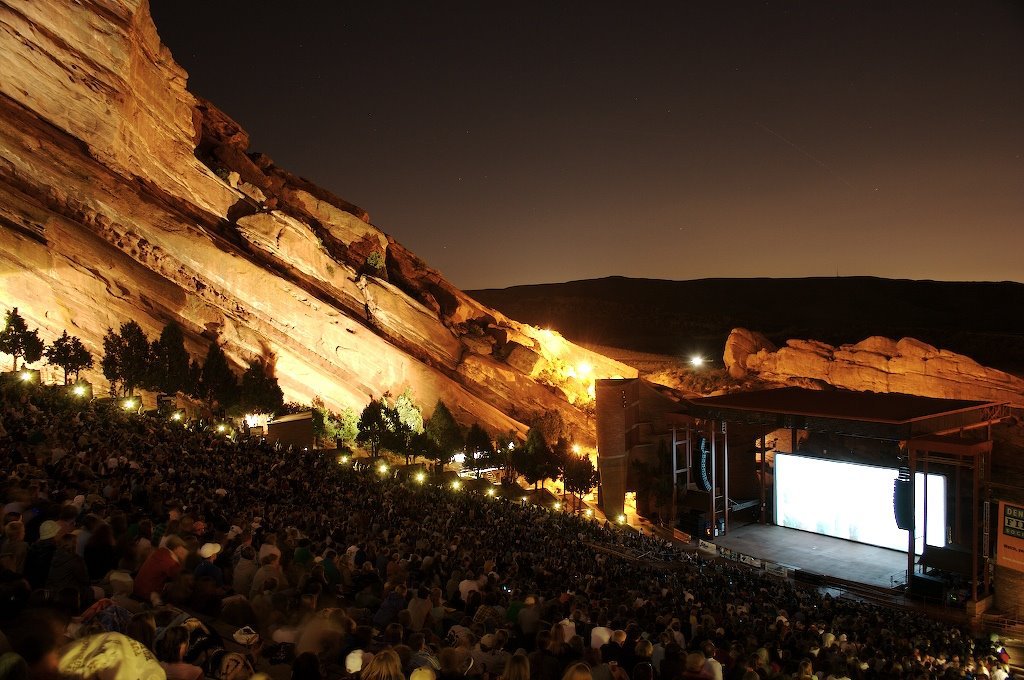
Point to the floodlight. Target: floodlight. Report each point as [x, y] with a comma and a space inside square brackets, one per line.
[622, 519]
[456, 485]
[26, 376]
[78, 390]
[558, 506]
[696, 361]
[421, 477]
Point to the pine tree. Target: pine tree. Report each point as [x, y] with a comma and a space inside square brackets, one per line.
[18, 341]
[111, 361]
[479, 449]
[259, 391]
[134, 360]
[218, 383]
[70, 354]
[170, 364]
[445, 433]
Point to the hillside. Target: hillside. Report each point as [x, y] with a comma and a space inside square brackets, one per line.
[980, 320]
[123, 196]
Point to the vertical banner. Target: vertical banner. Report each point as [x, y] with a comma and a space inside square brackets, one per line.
[1010, 550]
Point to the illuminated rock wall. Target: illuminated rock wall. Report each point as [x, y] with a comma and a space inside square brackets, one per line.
[876, 364]
[123, 196]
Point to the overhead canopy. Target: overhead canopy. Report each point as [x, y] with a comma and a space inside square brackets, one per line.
[890, 416]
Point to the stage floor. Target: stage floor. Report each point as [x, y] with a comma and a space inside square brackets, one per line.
[817, 553]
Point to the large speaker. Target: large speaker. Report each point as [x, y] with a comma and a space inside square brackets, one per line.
[903, 500]
[927, 587]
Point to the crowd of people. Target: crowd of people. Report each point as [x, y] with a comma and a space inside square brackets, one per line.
[137, 544]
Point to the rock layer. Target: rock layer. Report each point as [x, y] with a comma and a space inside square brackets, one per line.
[122, 196]
[875, 364]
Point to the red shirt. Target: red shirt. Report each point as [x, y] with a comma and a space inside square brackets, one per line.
[160, 567]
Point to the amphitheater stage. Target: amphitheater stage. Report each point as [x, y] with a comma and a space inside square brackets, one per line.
[819, 554]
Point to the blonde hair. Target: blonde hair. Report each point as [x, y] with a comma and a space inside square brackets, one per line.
[383, 666]
[578, 671]
[517, 668]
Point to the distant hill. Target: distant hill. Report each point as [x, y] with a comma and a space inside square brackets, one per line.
[982, 320]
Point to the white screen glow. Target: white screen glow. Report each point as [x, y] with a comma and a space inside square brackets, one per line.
[853, 502]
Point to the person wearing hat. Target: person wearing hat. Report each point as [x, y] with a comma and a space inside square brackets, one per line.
[162, 566]
[40, 554]
[207, 567]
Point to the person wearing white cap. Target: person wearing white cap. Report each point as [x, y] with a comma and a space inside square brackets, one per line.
[207, 568]
[40, 554]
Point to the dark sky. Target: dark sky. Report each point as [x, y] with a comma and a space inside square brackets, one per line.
[521, 142]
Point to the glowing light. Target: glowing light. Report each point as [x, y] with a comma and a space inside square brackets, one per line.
[589, 513]
[456, 485]
[490, 491]
[253, 419]
[621, 519]
[129, 404]
[558, 506]
[696, 361]
[342, 460]
[576, 449]
[420, 477]
[26, 376]
[78, 390]
[459, 458]
[176, 416]
[511, 445]
[382, 468]
[222, 427]
[583, 369]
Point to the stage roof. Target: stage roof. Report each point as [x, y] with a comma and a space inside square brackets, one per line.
[868, 414]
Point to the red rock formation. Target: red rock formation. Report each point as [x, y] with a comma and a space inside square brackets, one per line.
[875, 364]
[122, 196]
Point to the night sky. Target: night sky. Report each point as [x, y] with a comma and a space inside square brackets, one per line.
[519, 142]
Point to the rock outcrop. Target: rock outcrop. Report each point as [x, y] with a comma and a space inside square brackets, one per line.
[123, 196]
[875, 364]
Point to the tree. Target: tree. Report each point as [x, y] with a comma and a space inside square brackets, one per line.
[170, 361]
[70, 354]
[194, 387]
[409, 412]
[445, 433]
[479, 449]
[340, 428]
[18, 341]
[111, 360]
[534, 463]
[259, 391]
[375, 426]
[218, 383]
[506, 452]
[126, 357]
[579, 477]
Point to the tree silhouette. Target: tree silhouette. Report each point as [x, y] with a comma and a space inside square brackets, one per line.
[70, 354]
[479, 449]
[170, 361]
[445, 433]
[259, 391]
[218, 383]
[579, 477]
[18, 341]
[126, 357]
[376, 424]
[534, 463]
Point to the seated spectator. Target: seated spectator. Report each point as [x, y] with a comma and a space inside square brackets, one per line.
[170, 652]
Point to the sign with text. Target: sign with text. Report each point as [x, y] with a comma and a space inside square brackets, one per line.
[1010, 551]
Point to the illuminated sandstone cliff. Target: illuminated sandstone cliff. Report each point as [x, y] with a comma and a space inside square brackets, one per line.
[876, 364]
[123, 196]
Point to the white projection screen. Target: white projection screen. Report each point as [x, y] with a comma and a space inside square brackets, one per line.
[853, 502]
